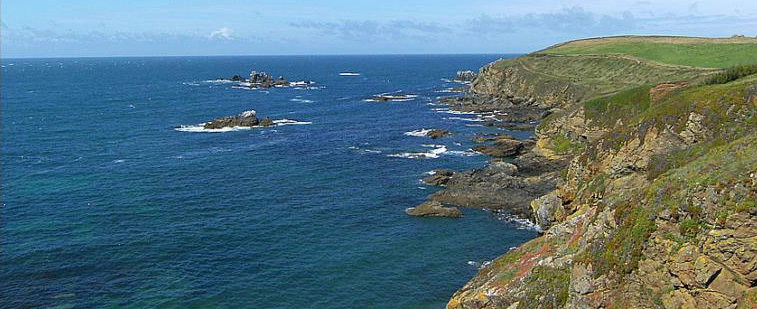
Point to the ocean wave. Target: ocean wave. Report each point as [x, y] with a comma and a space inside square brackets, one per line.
[453, 112]
[301, 100]
[285, 122]
[466, 119]
[478, 265]
[219, 81]
[349, 74]
[201, 129]
[363, 150]
[520, 223]
[464, 153]
[418, 133]
[434, 153]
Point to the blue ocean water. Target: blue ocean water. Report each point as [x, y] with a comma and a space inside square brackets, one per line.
[105, 204]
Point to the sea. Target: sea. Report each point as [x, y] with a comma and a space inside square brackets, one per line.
[113, 196]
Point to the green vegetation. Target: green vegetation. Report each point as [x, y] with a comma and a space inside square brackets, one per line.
[569, 79]
[562, 144]
[551, 288]
[608, 110]
[689, 227]
[675, 51]
[731, 74]
[622, 251]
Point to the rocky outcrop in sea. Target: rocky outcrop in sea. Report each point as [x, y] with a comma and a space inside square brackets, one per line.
[434, 209]
[465, 76]
[244, 119]
[263, 80]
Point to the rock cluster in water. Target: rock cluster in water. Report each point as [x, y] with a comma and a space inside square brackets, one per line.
[437, 133]
[245, 119]
[264, 80]
[465, 76]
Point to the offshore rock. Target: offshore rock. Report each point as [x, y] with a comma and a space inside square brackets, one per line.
[434, 209]
[244, 119]
[438, 133]
[465, 76]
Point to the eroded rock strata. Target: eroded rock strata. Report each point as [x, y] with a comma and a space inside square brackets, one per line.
[642, 175]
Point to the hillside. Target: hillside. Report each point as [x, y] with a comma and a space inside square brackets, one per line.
[695, 52]
[656, 201]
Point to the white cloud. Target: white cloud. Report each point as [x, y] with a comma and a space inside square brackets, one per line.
[223, 33]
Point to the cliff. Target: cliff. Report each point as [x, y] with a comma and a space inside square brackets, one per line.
[652, 198]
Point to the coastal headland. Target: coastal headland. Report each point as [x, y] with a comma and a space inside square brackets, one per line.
[642, 174]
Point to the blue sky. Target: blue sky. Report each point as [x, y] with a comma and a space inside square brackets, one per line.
[71, 28]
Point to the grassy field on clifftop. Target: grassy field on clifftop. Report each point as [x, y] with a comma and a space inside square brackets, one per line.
[695, 52]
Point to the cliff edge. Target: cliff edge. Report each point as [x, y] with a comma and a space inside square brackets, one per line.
[652, 198]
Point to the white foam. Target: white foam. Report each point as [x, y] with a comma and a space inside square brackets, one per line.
[431, 154]
[520, 223]
[466, 153]
[364, 150]
[301, 100]
[119, 161]
[418, 133]
[284, 122]
[349, 74]
[201, 129]
[220, 81]
[466, 119]
[448, 111]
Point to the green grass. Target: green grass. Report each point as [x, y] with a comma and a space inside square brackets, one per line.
[623, 105]
[731, 74]
[562, 145]
[704, 55]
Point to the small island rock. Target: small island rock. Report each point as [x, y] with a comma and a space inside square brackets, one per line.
[434, 209]
[438, 133]
[244, 119]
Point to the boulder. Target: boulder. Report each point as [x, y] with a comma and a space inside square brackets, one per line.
[465, 76]
[245, 119]
[438, 133]
[433, 209]
[261, 80]
[439, 177]
[266, 122]
[547, 209]
[502, 147]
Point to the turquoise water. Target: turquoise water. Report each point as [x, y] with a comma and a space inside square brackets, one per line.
[106, 204]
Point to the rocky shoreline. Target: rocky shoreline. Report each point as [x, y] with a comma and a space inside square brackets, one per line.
[517, 172]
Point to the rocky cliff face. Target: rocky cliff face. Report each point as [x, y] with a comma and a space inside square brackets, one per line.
[655, 205]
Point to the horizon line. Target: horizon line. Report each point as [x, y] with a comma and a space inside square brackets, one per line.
[260, 55]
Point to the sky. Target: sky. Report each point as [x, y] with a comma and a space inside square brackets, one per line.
[78, 28]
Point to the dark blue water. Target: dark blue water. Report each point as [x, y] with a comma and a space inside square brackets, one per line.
[105, 204]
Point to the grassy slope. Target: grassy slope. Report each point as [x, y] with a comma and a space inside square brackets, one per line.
[706, 53]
